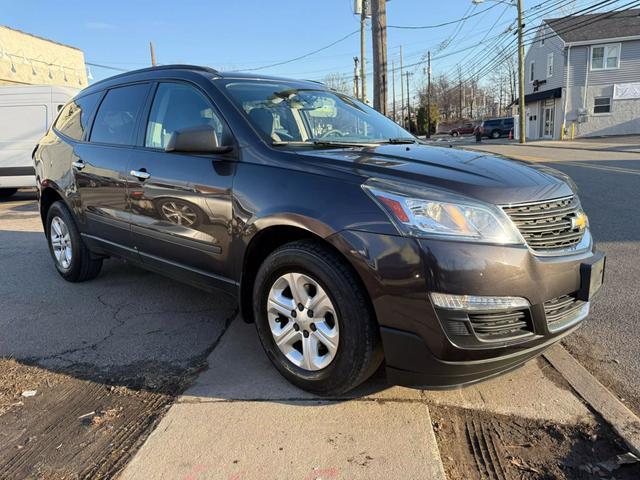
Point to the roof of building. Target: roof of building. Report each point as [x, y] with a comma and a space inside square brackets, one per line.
[40, 38]
[597, 26]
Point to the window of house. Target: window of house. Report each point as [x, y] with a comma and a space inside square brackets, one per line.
[532, 75]
[549, 64]
[73, 120]
[602, 105]
[117, 115]
[177, 107]
[605, 57]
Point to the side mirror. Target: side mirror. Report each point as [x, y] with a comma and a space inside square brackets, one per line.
[201, 139]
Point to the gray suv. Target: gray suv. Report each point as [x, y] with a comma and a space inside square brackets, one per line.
[345, 240]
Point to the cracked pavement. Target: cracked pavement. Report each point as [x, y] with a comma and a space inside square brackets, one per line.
[124, 322]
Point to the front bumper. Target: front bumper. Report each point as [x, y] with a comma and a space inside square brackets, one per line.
[421, 349]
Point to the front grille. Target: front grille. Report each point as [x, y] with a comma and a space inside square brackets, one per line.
[501, 325]
[561, 311]
[547, 225]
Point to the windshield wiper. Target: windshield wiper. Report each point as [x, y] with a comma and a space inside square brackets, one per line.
[323, 143]
[400, 141]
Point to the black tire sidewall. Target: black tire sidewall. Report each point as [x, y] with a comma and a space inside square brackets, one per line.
[59, 209]
[339, 290]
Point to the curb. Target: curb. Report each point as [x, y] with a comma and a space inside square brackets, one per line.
[624, 422]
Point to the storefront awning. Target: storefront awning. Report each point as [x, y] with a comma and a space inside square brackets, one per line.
[537, 96]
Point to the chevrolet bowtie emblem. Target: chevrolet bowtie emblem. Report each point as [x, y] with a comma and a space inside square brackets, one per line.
[579, 221]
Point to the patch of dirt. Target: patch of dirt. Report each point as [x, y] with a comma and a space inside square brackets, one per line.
[482, 446]
[75, 428]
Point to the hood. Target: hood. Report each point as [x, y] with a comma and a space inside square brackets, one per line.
[486, 177]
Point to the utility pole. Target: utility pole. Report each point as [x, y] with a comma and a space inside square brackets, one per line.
[356, 78]
[363, 48]
[393, 88]
[379, 34]
[521, 117]
[429, 94]
[408, 102]
[153, 55]
[460, 93]
[401, 92]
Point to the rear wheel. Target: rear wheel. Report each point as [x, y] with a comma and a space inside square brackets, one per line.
[495, 134]
[454, 134]
[72, 258]
[7, 192]
[314, 319]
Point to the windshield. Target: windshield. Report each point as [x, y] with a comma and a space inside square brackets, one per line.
[286, 115]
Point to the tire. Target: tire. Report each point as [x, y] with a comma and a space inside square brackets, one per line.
[7, 192]
[80, 265]
[358, 352]
[454, 134]
[495, 134]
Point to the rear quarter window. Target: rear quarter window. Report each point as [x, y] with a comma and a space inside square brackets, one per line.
[73, 120]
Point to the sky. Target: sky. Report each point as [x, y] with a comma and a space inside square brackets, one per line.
[246, 34]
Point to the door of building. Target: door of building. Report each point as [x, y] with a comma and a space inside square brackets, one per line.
[548, 120]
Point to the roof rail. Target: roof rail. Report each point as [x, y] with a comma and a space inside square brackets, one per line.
[199, 68]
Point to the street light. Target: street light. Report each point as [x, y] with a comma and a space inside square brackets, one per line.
[521, 116]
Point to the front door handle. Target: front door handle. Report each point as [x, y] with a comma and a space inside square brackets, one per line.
[140, 174]
[78, 164]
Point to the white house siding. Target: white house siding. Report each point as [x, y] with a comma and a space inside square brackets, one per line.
[625, 114]
[538, 54]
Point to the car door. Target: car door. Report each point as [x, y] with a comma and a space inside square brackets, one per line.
[100, 166]
[181, 204]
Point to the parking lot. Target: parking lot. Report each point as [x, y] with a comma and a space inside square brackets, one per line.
[131, 353]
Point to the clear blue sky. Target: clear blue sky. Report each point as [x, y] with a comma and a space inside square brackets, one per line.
[250, 33]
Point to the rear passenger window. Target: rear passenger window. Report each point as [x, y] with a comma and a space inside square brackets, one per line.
[117, 115]
[177, 107]
[73, 121]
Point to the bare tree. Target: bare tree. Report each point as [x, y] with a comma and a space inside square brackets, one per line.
[339, 82]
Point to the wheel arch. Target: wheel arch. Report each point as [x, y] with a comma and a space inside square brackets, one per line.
[269, 239]
[47, 197]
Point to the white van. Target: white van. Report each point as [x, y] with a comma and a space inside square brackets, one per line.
[26, 112]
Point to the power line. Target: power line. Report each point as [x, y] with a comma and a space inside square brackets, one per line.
[424, 27]
[284, 62]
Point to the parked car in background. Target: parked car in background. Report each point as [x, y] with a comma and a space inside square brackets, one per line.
[26, 113]
[344, 238]
[466, 129]
[497, 127]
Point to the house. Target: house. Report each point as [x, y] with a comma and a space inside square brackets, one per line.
[27, 59]
[582, 76]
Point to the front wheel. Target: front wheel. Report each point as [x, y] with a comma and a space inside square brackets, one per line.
[454, 134]
[314, 319]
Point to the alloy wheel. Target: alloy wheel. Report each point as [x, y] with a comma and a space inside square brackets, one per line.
[60, 239]
[303, 321]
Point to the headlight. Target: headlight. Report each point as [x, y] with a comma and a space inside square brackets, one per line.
[422, 212]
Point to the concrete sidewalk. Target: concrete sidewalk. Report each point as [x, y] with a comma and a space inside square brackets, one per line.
[242, 420]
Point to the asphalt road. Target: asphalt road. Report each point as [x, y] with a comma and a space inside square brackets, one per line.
[129, 320]
[609, 342]
[125, 324]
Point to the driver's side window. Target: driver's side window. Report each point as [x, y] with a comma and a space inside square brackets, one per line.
[175, 107]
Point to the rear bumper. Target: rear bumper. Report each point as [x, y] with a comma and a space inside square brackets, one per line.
[17, 177]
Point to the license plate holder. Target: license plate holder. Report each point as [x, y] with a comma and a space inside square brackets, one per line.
[591, 276]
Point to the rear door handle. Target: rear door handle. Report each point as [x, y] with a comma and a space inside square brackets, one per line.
[78, 164]
[140, 174]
